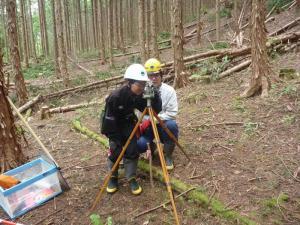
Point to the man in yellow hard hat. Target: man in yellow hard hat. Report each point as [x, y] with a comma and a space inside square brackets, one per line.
[168, 113]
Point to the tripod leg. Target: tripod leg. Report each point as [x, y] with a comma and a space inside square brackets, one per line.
[163, 164]
[171, 135]
[101, 191]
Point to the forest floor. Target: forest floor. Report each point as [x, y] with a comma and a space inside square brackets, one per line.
[245, 152]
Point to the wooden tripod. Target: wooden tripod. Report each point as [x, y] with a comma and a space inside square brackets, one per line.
[152, 114]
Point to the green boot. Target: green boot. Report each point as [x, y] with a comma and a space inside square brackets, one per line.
[112, 186]
[168, 151]
[136, 189]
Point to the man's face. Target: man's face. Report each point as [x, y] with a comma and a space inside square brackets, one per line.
[156, 79]
[138, 87]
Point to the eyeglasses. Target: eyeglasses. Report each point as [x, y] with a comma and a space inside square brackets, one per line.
[154, 76]
[140, 84]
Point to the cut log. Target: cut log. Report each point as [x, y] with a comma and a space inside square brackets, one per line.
[272, 43]
[81, 67]
[219, 53]
[45, 113]
[83, 87]
[74, 107]
[232, 52]
[285, 27]
[30, 103]
[203, 199]
[236, 68]
[284, 38]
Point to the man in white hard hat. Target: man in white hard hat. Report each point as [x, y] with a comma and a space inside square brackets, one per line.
[118, 121]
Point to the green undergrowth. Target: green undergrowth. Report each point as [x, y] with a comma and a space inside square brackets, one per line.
[44, 69]
[272, 208]
[278, 4]
[197, 195]
[96, 220]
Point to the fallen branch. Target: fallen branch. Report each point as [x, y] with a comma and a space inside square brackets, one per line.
[218, 124]
[289, 171]
[82, 87]
[46, 111]
[288, 5]
[236, 68]
[74, 107]
[216, 207]
[273, 42]
[29, 104]
[44, 218]
[285, 27]
[163, 204]
[80, 67]
[219, 53]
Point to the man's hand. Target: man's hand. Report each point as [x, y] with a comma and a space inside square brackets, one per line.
[148, 154]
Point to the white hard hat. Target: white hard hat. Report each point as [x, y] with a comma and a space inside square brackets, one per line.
[136, 72]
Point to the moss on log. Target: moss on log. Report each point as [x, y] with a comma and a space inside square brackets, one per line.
[198, 196]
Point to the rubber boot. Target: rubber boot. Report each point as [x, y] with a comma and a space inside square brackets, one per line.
[130, 166]
[168, 151]
[112, 186]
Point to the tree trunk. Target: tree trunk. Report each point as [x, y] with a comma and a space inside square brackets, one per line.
[32, 42]
[298, 7]
[11, 155]
[57, 70]
[142, 30]
[217, 20]
[130, 21]
[81, 44]
[110, 30]
[101, 31]
[147, 25]
[14, 52]
[181, 78]
[4, 23]
[76, 32]
[61, 44]
[67, 31]
[86, 40]
[153, 21]
[24, 34]
[200, 24]
[43, 27]
[116, 24]
[260, 65]
[121, 25]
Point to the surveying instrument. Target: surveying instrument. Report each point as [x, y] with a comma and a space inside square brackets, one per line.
[148, 95]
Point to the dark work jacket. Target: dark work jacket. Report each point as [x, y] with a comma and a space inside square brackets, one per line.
[119, 111]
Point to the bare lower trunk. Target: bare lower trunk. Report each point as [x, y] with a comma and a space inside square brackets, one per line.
[24, 34]
[57, 70]
[153, 23]
[61, 44]
[142, 30]
[217, 20]
[101, 32]
[110, 30]
[14, 52]
[181, 78]
[260, 64]
[11, 155]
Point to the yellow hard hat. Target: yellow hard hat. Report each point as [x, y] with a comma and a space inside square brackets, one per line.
[152, 65]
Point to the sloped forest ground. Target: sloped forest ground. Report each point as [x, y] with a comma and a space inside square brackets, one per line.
[244, 152]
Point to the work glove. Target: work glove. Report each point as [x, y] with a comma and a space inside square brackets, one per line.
[144, 125]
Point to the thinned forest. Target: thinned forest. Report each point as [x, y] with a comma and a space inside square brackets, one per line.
[235, 67]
